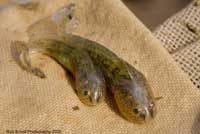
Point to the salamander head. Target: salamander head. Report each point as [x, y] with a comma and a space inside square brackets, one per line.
[64, 17]
[91, 90]
[135, 103]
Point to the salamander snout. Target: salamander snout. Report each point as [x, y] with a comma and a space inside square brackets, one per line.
[96, 97]
[91, 97]
[143, 114]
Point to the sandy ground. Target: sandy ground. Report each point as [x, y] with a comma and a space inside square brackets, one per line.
[154, 12]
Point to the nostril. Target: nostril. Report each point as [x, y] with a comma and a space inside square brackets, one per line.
[142, 115]
[94, 98]
[140, 112]
[98, 98]
[91, 100]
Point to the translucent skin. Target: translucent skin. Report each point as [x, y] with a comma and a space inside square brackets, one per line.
[90, 84]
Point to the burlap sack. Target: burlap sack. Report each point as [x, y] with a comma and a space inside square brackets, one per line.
[29, 103]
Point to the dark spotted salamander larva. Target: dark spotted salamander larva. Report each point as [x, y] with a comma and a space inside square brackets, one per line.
[90, 84]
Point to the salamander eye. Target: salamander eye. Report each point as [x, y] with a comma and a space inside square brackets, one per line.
[135, 110]
[70, 16]
[86, 93]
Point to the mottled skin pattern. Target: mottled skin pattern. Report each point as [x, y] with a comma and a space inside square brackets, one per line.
[129, 87]
[90, 83]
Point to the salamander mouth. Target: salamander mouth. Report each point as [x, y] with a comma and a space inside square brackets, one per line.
[96, 97]
[144, 115]
[90, 98]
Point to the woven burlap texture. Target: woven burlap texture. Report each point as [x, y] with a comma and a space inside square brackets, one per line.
[30, 103]
[182, 42]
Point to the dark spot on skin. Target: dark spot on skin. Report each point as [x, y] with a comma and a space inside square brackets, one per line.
[115, 71]
[75, 108]
[98, 57]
